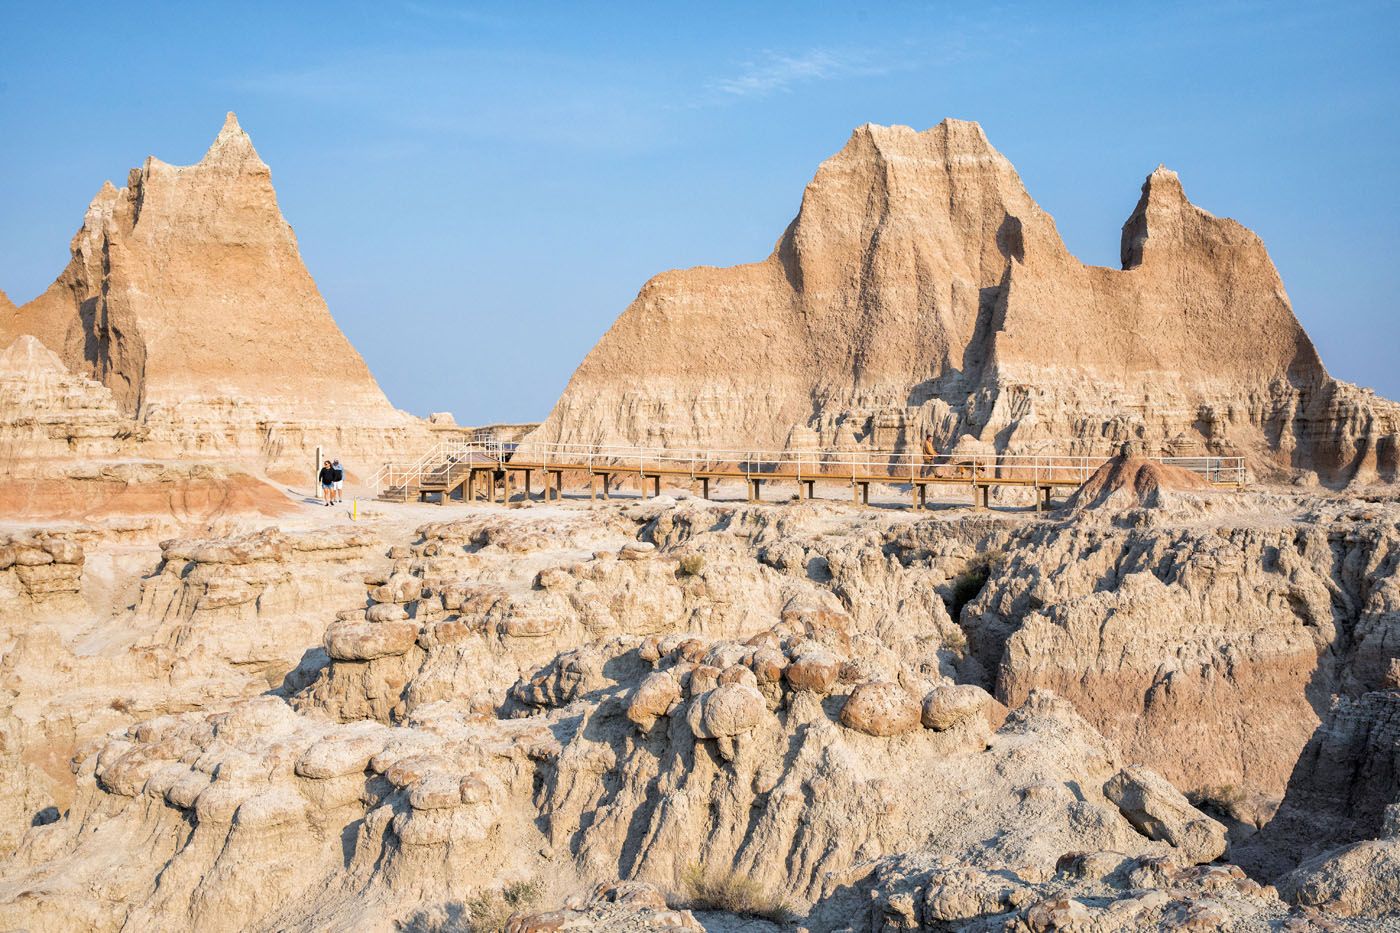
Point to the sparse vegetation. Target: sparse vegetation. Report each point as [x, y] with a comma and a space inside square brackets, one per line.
[733, 892]
[969, 583]
[1221, 799]
[692, 564]
[489, 911]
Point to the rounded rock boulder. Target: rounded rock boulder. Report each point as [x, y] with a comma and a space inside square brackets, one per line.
[727, 710]
[880, 708]
[365, 641]
[400, 588]
[813, 670]
[946, 706]
[655, 696]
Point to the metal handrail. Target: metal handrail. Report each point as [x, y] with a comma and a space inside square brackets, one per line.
[805, 464]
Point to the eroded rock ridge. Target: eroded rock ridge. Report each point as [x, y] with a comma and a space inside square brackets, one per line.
[921, 289]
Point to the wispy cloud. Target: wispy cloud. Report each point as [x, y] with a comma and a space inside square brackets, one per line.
[447, 95]
[776, 72]
[451, 13]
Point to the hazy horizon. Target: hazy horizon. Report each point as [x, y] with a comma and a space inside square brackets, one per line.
[480, 192]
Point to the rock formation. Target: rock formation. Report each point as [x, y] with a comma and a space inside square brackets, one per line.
[1343, 796]
[1159, 707]
[46, 412]
[502, 712]
[186, 296]
[921, 289]
[1127, 481]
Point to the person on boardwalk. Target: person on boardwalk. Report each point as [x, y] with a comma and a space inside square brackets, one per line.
[339, 481]
[327, 478]
[930, 453]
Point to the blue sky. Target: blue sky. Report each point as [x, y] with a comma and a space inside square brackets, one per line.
[479, 190]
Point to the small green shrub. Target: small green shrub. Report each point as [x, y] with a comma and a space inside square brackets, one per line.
[1223, 799]
[522, 893]
[490, 911]
[728, 890]
[970, 582]
[692, 564]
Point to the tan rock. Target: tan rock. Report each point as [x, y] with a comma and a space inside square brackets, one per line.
[880, 708]
[637, 550]
[1160, 811]
[1128, 481]
[920, 288]
[365, 641]
[656, 696]
[400, 588]
[383, 612]
[1359, 880]
[726, 711]
[813, 670]
[946, 706]
[339, 755]
[143, 309]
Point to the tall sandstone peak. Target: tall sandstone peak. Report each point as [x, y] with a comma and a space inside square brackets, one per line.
[920, 288]
[188, 298]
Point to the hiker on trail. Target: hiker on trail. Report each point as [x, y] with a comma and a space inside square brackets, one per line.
[930, 452]
[327, 477]
[339, 481]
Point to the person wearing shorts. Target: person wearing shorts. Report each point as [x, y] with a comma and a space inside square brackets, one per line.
[339, 481]
[327, 477]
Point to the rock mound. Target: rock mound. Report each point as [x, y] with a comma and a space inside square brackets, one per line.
[1128, 481]
[921, 289]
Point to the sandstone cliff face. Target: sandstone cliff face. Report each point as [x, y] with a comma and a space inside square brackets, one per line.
[186, 296]
[47, 412]
[1345, 788]
[1208, 653]
[920, 288]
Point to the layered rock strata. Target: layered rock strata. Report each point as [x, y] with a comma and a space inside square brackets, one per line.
[509, 709]
[39, 574]
[1341, 813]
[46, 412]
[921, 289]
[556, 779]
[1210, 653]
[187, 297]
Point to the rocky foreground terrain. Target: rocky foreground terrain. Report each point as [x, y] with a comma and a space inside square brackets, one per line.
[1147, 710]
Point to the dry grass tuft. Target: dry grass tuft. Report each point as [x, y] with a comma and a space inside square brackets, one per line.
[692, 564]
[490, 911]
[730, 891]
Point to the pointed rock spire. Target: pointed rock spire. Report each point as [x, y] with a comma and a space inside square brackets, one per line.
[233, 148]
[1155, 215]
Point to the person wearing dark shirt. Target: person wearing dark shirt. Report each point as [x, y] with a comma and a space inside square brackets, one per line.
[327, 482]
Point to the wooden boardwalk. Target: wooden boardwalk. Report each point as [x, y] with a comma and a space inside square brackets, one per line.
[485, 469]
